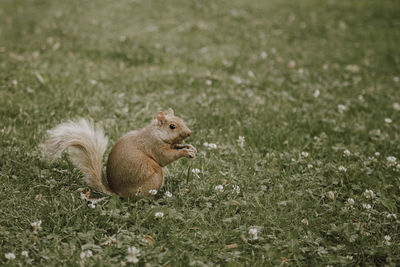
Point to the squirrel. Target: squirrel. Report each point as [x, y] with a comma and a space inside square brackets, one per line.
[135, 163]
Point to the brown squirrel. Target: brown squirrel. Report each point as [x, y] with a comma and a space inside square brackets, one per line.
[135, 163]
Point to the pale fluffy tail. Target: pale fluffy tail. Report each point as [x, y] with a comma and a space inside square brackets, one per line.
[85, 145]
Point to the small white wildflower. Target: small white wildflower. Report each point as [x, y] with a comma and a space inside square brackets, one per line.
[377, 154]
[251, 74]
[391, 215]
[159, 214]
[93, 82]
[316, 93]
[391, 159]
[263, 55]
[240, 141]
[396, 79]
[25, 253]
[14, 82]
[10, 256]
[153, 192]
[168, 194]
[236, 189]
[305, 154]
[237, 79]
[350, 201]
[388, 120]
[92, 205]
[36, 225]
[133, 253]
[196, 171]
[310, 166]
[86, 254]
[346, 152]
[219, 188]
[304, 222]
[387, 237]
[208, 82]
[341, 108]
[342, 169]
[369, 193]
[210, 145]
[254, 232]
[352, 68]
[366, 206]
[396, 106]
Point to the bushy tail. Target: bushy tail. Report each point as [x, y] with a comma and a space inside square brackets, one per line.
[85, 145]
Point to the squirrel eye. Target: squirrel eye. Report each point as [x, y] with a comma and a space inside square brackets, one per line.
[172, 126]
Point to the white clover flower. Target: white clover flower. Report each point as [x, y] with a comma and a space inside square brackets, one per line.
[305, 154]
[352, 68]
[236, 189]
[10, 256]
[196, 171]
[392, 215]
[254, 232]
[240, 141]
[210, 145]
[388, 120]
[387, 237]
[316, 93]
[219, 188]
[159, 214]
[92, 205]
[396, 79]
[377, 154]
[251, 74]
[342, 169]
[304, 222]
[14, 82]
[133, 253]
[310, 166]
[93, 82]
[391, 159]
[86, 254]
[208, 82]
[366, 206]
[168, 194]
[25, 253]
[396, 106]
[36, 225]
[153, 192]
[341, 108]
[346, 152]
[263, 55]
[350, 201]
[369, 193]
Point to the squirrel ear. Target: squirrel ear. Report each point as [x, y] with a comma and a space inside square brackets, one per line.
[170, 112]
[161, 118]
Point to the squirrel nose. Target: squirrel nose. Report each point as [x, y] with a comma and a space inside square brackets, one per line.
[188, 133]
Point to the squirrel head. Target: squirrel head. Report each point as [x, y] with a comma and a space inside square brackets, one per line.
[171, 129]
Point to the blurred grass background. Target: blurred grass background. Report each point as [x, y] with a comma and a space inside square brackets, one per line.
[274, 72]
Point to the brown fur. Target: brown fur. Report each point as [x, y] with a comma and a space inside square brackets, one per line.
[135, 162]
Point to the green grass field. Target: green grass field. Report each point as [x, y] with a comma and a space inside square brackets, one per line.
[312, 86]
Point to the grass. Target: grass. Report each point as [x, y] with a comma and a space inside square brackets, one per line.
[289, 76]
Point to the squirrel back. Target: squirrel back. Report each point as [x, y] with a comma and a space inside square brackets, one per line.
[135, 162]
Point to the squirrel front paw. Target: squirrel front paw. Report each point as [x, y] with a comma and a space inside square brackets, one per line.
[189, 151]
